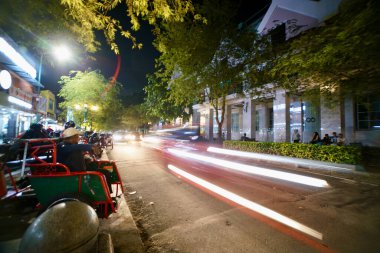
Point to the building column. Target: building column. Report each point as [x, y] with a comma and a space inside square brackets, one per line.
[349, 120]
[281, 117]
[247, 118]
[195, 118]
[228, 120]
[252, 113]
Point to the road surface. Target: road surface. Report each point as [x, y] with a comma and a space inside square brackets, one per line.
[197, 206]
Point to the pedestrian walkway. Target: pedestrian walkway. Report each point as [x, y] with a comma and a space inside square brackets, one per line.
[122, 228]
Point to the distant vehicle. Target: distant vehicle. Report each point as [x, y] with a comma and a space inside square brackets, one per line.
[134, 136]
[189, 133]
[120, 136]
[106, 140]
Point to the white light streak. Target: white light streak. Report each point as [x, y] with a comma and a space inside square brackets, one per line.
[248, 204]
[14, 56]
[291, 177]
[152, 139]
[271, 158]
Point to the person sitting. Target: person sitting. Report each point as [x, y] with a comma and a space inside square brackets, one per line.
[316, 138]
[14, 151]
[326, 140]
[71, 154]
[340, 140]
[35, 131]
[296, 136]
[245, 138]
[334, 139]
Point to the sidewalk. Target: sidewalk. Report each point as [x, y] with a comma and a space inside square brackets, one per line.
[122, 228]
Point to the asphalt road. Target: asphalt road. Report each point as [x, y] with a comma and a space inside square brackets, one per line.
[175, 214]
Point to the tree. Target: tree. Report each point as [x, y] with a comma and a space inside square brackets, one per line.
[134, 117]
[87, 88]
[83, 18]
[340, 56]
[203, 59]
[158, 104]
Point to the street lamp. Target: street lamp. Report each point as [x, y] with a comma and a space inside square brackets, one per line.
[85, 112]
[61, 53]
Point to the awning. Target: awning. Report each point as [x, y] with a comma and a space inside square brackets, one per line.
[18, 71]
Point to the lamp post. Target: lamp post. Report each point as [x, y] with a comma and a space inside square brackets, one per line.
[86, 109]
[61, 53]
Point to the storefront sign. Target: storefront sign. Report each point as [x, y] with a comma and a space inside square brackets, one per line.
[21, 94]
[19, 102]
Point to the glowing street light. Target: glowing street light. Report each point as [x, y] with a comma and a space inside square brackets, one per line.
[61, 53]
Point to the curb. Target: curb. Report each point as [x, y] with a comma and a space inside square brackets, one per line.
[122, 228]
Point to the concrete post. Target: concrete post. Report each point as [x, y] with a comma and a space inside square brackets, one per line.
[281, 117]
[228, 119]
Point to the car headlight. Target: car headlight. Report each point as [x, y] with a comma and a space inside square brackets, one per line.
[131, 137]
[195, 137]
[117, 137]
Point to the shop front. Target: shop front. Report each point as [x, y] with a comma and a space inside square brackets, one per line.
[18, 90]
[16, 115]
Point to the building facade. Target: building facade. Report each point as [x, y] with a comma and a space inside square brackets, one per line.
[18, 92]
[276, 116]
[48, 108]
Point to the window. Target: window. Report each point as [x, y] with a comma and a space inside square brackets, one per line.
[51, 104]
[235, 122]
[368, 113]
[257, 120]
[270, 114]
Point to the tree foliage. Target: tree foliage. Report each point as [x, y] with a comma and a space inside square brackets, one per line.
[200, 57]
[134, 117]
[80, 88]
[340, 55]
[158, 104]
[83, 18]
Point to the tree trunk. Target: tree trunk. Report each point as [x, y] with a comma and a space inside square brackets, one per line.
[220, 122]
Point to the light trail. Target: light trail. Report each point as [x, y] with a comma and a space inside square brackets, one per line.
[247, 203]
[291, 177]
[273, 158]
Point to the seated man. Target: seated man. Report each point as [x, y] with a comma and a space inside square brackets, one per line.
[71, 154]
[35, 131]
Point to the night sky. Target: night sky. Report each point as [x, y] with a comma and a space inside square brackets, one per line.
[135, 64]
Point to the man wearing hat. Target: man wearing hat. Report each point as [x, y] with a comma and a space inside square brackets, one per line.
[71, 154]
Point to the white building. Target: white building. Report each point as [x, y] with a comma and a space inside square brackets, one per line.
[275, 117]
